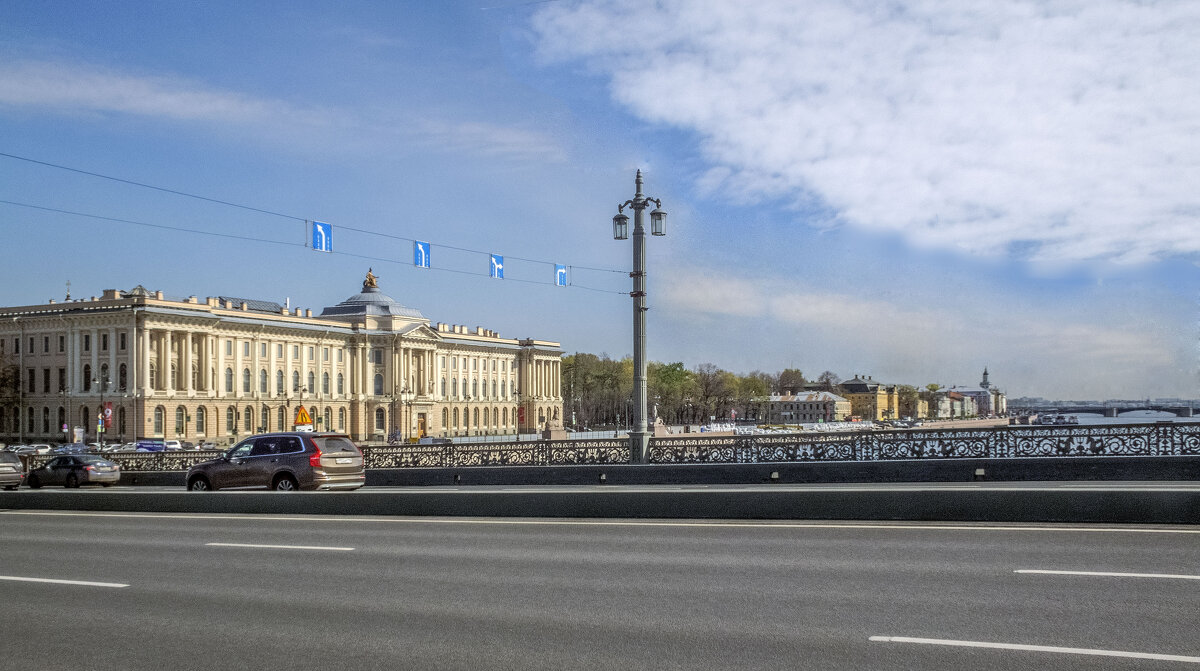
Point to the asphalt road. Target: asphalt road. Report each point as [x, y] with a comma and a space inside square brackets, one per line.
[259, 592]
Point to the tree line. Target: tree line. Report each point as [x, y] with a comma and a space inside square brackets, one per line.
[598, 391]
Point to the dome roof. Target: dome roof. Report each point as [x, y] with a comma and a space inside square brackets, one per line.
[370, 302]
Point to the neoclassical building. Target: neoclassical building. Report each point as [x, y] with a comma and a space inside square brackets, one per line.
[221, 367]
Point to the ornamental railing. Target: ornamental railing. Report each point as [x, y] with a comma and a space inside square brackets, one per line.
[1112, 440]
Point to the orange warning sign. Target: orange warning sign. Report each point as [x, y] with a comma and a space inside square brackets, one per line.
[302, 416]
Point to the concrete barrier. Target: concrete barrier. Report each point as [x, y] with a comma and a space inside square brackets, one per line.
[1008, 504]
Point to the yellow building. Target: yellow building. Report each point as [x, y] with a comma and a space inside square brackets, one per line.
[870, 400]
[209, 370]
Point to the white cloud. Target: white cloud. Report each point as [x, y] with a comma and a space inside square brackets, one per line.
[1056, 131]
[75, 89]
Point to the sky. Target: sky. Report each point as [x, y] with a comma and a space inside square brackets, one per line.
[908, 190]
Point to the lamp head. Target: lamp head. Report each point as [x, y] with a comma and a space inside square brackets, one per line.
[658, 218]
[620, 226]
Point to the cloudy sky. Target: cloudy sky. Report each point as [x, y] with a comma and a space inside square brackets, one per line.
[908, 190]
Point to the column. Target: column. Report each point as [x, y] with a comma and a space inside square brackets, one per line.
[113, 377]
[187, 363]
[142, 374]
[95, 333]
[165, 363]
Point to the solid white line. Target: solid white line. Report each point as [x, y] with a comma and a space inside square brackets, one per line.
[87, 583]
[1038, 648]
[279, 547]
[1109, 574]
[982, 526]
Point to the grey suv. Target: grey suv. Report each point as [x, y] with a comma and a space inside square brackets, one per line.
[285, 462]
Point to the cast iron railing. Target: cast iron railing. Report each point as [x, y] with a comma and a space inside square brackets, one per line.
[1121, 440]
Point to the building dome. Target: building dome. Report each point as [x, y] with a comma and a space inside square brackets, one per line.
[370, 302]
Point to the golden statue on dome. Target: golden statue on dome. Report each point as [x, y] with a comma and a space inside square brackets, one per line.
[369, 283]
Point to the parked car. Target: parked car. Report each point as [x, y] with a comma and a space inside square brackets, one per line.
[284, 462]
[71, 448]
[173, 445]
[73, 470]
[12, 471]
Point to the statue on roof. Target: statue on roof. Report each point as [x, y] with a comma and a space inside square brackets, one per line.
[369, 283]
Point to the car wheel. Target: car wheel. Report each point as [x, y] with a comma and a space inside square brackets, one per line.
[35, 482]
[199, 484]
[285, 483]
[72, 481]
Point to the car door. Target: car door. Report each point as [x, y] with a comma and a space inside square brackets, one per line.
[263, 461]
[56, 470]
[232, 471]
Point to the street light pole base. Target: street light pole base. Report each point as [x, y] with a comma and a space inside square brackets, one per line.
[639, 447]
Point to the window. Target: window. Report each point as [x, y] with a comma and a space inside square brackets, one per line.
[262, 350]
[442, 365]
[296, 380]
[279, 351]
[378, 384]
[29, 420]
[494, 389]
[455, 418]
[341, 419]
[103, 342]
[266, 420]
[31, 344]
[312, 382]
[246, 348]
[45, 344]
[121, 343]
[158, 419]
[201, 416]
[228, 380]
[295, 352]
[228, 348]
[282, 418]
[341, 381]
[340, 352]
[246, 380]
[504, 416]
[475, 388]
[485, 417]
[325, 354]
[122, 377]
[328, 419]
[324, 383]
[380, 419]
[45, 420]
[262, 380]
[45, 380]
[476, 416]
[279, 382]
[453, 363]
[248, 416]
[62, 379]
[311, 356]
[445, 417]
[62, 344]
[453, 387]
[230, 420]
[17, 346]
[443, 387]
[179, 419]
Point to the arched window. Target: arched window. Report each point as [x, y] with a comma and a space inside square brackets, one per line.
[46, 420]
[476, 418]
[279, 383]
[230, 419]
[494, 394]
[443, 387]
[248, 419]
[121, 421]
[195, 375]
[174, 378]
[201, 421]
[445, 417]
[328, 419]
[504, 416]
[62, 417]
[228, 380]
[324, 383]
[378, 384]
[282, 418]
[152, 376]
[495, 416]
[475, 388]
[380, 419]
[266, 419]
[246, 380]
[179, 418]
[341, 388]
[262, 381]
[29, 420]
[456, 418]
[454, 387]
[312, 382]
[158, 420]
[122, 378]
[485, 417]
[295, 380]
[341, 419]
[87, 379]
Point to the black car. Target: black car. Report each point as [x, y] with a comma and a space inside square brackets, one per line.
[74, 470]
[12, 471]
[285, 462]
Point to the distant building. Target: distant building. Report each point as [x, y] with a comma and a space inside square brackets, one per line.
[807, 407]
[986, 399]
[217, 368]
[871, 400]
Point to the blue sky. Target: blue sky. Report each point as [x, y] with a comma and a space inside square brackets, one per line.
[910, 191]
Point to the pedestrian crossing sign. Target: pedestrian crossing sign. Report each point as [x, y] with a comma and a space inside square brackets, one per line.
[302, 416]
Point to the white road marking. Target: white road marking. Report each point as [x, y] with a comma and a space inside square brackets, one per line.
[1038, 648]
[982, 526]
[1110, 574]
[86, 583]
[279, 547]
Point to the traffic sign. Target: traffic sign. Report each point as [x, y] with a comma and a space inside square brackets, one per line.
[322, 236]
[497, 266]
[420, 254]
[302, 416]
[560, 275]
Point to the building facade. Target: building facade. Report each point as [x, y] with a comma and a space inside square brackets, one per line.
[871, 400]
[807, 407]
[211, 370]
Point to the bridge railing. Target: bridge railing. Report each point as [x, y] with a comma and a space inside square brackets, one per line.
[1142, 440]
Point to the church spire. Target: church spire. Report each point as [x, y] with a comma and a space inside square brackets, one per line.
[985, 384]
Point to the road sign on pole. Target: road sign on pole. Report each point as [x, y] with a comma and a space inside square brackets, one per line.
[560, 275]
[420, 254]
[322, 237]
[497, 266]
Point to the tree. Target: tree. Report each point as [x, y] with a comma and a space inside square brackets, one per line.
[828, 380]
[791, 379]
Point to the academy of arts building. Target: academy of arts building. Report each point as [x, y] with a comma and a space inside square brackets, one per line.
[213, 369]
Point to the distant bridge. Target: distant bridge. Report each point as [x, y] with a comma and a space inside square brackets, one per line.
[1107, 411]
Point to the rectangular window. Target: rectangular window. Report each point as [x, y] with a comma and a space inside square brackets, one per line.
[325, 354]
[32, 380]
[103, 342]
[246, 348]
[279, 351]
[87, 342]
[16, 345]
[262, 350]
[62, 344]
[62, 379]
[46, 345]
[311, 354]
[340, 352]
[121, 341]
[296, 352]
[45, 380]
[228, 348]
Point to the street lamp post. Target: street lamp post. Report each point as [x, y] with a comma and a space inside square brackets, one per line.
[101, 418]
[638, 439]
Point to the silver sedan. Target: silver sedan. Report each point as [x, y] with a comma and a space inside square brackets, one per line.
[73, 470]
